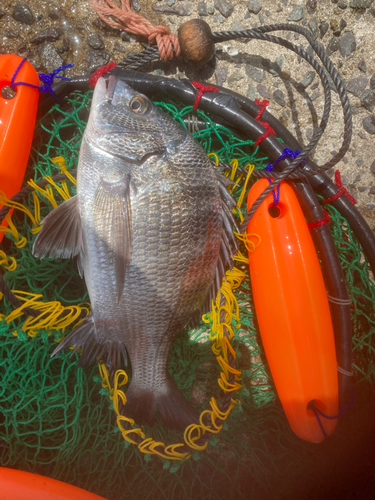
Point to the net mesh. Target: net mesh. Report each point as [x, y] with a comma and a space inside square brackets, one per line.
[56, 419]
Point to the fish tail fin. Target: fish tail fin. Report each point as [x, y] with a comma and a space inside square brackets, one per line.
[175, 411]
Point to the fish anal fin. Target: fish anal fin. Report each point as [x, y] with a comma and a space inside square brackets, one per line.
[112, 201]
[61, 234]
[84, 336]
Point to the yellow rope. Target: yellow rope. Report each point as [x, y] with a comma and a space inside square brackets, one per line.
[60, 162]
[51, 315]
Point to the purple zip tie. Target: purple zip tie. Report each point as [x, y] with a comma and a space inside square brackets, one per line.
[46, 79]
[286, 152]
[343, 410]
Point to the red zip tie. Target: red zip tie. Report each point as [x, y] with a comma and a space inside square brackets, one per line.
[262, 104]
[342, 190]
[202, 89]
[269, 131]
[320, 223]
[100, 72]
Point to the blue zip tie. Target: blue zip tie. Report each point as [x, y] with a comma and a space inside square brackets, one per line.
[270, 166]
[343, 410]
[46, 79]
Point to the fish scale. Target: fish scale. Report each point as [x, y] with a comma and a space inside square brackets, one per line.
[149, 217]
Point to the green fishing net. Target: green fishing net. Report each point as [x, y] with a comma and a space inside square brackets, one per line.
[57, 419]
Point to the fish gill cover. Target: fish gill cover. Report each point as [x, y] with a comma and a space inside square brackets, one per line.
[58, 420]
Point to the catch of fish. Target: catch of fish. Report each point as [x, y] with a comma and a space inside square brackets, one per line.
[151, 226]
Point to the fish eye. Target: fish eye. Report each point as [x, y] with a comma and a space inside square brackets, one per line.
[139, 105]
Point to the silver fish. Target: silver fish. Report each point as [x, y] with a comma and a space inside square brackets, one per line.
[151, 225]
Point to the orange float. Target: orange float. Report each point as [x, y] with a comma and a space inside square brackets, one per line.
[17, 122]
[19, 485]
[293, 312]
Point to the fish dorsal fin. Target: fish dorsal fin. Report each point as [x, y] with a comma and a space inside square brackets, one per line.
[61, 234]
[111, 206]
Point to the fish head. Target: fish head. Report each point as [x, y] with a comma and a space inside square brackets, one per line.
[127, 124]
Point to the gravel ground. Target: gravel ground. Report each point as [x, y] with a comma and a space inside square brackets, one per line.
[51, 33]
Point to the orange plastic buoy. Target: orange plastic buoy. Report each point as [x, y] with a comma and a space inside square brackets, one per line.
[19, 485]
[293, 313]
[17, 123]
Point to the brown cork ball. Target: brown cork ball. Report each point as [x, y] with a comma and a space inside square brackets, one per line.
[196, 41]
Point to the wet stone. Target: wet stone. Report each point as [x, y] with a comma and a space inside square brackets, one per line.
[54, 15]
[357, 85]
[210, 9]
[333, 46]
[311, 4]
[263, 92]
[323, 28]
[313, 27]
[221, 75]
[22, 48]
[66, 44]
[23, 14]
[372, 82]
[369, 124]
[307, 79]
[343, 24]
[254, 73]
[120, 48]
[362, 66]
[96, 59]
[125, 36]
[136, 6]
[254, 6]
[360, 4]
[285, 75]
[11, 34]
[237, 26]
[276, 65]
[95, 41]
[251, 92]
[372, 190]
[234, 77]
[314, 95]
[202, 9]
[48, 35]
[183, 9]
[218, 18]
[334, 24]
[347, 44]
[49, 57]
[225, 8]
[368, 99]
[279, 97]
[297, 13]
[362, 189]
[372, 167]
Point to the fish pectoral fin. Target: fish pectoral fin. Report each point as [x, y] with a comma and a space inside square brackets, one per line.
[84, 336]
[112, 206]
[61, 234]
